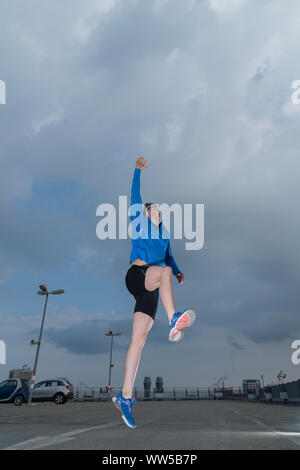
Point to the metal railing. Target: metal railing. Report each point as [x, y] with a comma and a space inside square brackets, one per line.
[167, 393]
[286, 393]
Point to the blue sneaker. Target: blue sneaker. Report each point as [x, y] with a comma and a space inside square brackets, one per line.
[180, 320]
[125, 406]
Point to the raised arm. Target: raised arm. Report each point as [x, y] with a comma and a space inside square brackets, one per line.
[136, 184]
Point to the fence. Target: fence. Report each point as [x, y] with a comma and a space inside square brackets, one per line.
[175, 393]
[283, 393]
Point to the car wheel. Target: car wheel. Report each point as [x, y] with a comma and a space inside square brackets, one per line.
[59, 399]
[18, 400]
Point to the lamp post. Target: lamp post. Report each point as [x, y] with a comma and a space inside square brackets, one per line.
[43, 291]
[110, 333]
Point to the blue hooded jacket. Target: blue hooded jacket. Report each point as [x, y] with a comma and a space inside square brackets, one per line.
[149, 242]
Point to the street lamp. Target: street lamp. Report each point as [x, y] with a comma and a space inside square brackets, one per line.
[43, 291]
[110, 333]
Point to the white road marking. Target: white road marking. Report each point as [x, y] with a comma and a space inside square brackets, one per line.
[43, 441]
[286, 435]
[9, 416]
[35, 443]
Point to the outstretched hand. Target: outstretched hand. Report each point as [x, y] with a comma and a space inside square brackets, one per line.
[141, 163]
[180, 278]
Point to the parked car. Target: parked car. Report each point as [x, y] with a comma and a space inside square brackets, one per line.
[58, 390]
[13, 391]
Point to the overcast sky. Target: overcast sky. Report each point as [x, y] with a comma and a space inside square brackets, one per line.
[202, 90]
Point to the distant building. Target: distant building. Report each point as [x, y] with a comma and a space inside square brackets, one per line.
[24, 373]
[251, 385]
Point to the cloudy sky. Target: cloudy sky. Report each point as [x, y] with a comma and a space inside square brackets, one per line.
[202, 90]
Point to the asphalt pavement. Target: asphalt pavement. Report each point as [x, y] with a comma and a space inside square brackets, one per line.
[184, 425]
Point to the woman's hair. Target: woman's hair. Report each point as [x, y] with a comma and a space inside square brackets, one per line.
[146, 206]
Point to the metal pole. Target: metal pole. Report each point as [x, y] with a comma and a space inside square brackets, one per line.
[37, 353]
[110, 361]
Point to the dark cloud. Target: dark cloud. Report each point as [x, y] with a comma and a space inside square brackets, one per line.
[275, 328]
[234, 344]
[89, 337]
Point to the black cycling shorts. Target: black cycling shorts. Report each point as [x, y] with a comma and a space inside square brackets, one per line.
[146, 300]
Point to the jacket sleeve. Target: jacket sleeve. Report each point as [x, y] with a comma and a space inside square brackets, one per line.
[136, 195]
[169, 260]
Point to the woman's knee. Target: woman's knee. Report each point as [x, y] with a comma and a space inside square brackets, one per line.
[166, 271]
[152, 279]
[139, 339]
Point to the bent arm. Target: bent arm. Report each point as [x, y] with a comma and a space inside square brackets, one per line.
[169, 260]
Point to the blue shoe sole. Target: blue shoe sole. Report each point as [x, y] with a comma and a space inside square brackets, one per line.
[117, 405]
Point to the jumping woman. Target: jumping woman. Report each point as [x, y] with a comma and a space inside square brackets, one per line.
[150, 275]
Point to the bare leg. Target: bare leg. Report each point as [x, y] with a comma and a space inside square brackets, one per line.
[142, 324]
[161, 276]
